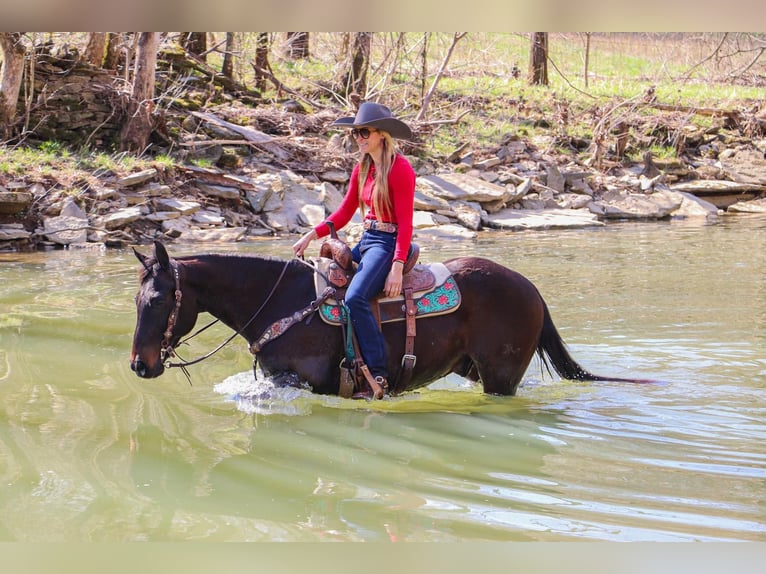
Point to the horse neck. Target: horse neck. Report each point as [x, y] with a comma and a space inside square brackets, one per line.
[228, 285]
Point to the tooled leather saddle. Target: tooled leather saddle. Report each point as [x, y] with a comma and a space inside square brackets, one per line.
[427, 290]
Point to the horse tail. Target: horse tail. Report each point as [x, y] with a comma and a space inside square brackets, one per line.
[553, 351]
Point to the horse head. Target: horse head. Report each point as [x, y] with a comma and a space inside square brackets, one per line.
[162, 318]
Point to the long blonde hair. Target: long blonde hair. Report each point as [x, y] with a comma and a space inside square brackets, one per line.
[381, 198]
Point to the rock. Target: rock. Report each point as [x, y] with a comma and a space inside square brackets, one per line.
[137, 178]
[622, 205]
[215, 235]
[300, 207]
[421, 219]
[456, 186]
[572, 201]
[161, 216]
[222, 191]
[754, 206]
[554, 179]
[155, 190]
[521, 219]
[10, 231]
[449, 231]
[122, 217]
[694, 207]
[468, 214]
[15, 201]
[745, 165]
[71, 209]
[65, 230]
[330, 197]
[426, 202]
[181, 206]
[335, 176]
[205, 217]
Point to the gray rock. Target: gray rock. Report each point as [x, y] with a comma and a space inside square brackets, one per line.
[71, 209]
[205, 217]
[623, 205]
[554, 179]
[222, 191]
[66, 230]
[449, 231]
[181, 206]
[122, 217]
[754, 206]
[520, 219]
[15, 201]
[695, 207]
[330, 197]
[10, 231]
[457, 186]
[137, 178]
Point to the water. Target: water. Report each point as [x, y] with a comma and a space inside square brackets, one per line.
[88, 452]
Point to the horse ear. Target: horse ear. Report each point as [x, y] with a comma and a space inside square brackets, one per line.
[142, 258]
[161, 254]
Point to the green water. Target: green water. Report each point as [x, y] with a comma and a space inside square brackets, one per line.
[89, 452]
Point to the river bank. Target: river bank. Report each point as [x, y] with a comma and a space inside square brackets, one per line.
[260, 185]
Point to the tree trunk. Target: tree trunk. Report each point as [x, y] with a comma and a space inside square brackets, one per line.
[261, 60]
[10, 79]
[297, 45]
[195, 43]
[355, 79]
[136, 130]
[538, 59]
[94, 51]
[228, 58]
[587, 56]
[113, 46]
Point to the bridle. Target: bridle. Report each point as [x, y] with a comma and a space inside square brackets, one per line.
[167, 351]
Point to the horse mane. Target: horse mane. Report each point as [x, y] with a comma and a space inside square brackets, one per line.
[241, 266]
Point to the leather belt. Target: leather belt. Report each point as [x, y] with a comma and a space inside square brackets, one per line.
[384, 226]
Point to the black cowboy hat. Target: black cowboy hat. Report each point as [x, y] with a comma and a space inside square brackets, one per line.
[372, 115]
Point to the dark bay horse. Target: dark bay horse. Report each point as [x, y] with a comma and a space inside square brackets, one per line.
[491, 338]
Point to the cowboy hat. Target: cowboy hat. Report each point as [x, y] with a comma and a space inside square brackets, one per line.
[372, 115]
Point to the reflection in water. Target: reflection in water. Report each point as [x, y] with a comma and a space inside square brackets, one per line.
[89, 452]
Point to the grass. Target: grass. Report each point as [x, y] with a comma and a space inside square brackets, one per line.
[479, 78]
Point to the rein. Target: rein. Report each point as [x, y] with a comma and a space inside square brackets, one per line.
[167, 349]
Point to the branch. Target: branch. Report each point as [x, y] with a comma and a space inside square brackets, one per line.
[424, 107]
[281, 87]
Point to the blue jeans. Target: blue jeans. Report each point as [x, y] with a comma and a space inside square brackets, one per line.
[374, 254]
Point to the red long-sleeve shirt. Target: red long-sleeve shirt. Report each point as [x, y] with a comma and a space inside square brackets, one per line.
[401, 186]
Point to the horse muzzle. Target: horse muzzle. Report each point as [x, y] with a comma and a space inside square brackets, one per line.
[144, 371]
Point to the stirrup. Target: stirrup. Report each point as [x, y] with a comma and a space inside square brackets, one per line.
[377, 388]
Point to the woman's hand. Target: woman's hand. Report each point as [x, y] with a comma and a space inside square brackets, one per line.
[300, 246]
[394, 280]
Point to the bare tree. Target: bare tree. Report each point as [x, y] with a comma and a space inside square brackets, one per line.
[427, 99]
[135, 132]
[10, 79]
[297, 45]
[354, 79]
[228, 58]
[195, 43]
[587, 56]
[538, 59]
[96, 48]
[114, 44]
[261, 64]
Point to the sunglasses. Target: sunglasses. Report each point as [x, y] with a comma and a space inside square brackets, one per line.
[364, 133]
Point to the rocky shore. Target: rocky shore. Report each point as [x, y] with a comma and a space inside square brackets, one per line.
[256, 192]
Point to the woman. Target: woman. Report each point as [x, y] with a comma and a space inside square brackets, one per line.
[383, 185]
